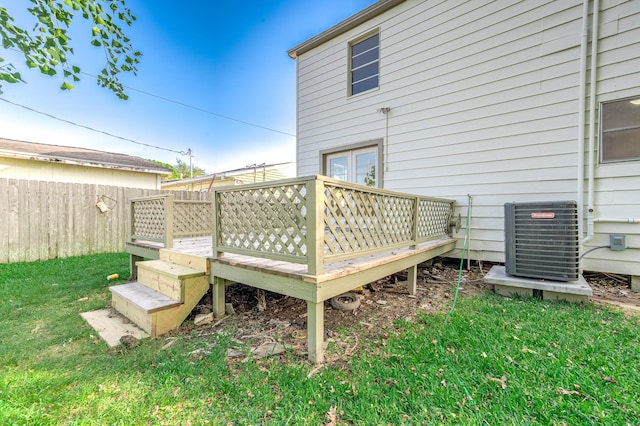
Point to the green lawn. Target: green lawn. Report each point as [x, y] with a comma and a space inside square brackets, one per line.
[495, 361]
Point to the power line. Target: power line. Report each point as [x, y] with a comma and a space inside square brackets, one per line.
[91, 128]
[210, 112]
[226, 117]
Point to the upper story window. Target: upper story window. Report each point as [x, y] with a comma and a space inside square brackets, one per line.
[364, 68]
[620, 130]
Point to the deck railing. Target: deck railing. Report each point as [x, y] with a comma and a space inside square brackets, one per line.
[318, 220]
[161, 218]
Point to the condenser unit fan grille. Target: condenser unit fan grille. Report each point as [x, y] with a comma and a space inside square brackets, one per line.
[542, 240]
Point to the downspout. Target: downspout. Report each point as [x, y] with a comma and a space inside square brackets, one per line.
[592, 119]
[385, 111]
[581, 112]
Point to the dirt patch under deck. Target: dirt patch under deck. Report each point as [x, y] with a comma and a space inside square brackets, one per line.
[285, 318]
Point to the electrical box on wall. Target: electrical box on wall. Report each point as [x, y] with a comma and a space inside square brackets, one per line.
[617, 242]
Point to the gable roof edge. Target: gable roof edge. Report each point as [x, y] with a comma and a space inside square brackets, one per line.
[344, 26]
[77, 156]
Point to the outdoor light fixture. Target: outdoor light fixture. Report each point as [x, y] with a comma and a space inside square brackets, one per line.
[635, 101]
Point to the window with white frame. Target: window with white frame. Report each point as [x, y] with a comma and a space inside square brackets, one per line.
[620, 130]
[364, 64]
[354, 165]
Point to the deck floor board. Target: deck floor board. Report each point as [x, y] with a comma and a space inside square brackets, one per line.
[201, 246]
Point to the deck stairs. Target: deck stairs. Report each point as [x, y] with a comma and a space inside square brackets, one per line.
[165, 293]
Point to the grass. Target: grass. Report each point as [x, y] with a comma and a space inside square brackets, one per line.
[496, 361]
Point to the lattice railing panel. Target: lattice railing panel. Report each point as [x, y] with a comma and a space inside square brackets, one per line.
[360, 220]
[148, 217]
[192, 218]
[433, 218]
[263, 219]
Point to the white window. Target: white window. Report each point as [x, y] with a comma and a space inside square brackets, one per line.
[620, 130]
[356, 165]
[364, 65]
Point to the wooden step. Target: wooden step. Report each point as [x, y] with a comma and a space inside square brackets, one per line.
[200, 263]
[168, 278]
[171, 269]
[143, 297]
[140, 304]
[154, 312]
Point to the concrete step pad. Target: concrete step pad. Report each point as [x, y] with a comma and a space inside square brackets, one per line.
[112, 326]
[143, 297]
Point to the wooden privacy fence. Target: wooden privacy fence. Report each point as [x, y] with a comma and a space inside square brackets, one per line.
[319, 220]
[45, 220]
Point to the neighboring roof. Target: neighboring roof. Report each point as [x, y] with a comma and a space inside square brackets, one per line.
[230, 173]
[77, 156]
[344, 26]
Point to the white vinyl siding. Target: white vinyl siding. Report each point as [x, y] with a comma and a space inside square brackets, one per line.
[484, 101]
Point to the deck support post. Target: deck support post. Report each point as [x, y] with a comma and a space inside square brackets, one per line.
[217, 296]
[315, 239]
[168, 221]
[315, 331]
[412, 279]
[133, 268]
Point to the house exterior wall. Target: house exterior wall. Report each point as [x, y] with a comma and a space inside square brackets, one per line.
[15, 168]
[484, 100]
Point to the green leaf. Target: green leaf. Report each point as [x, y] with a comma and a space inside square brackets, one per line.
[66, 86]
[47, 46]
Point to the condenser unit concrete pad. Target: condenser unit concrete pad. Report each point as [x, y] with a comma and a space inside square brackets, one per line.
[509, 285]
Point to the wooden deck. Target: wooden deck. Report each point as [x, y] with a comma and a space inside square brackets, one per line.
[311, 238]
[292, 279]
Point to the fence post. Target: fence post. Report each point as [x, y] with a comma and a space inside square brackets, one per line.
[168, 221]
[414, 231]
[315, 226]
[132, 228]
[215, 232]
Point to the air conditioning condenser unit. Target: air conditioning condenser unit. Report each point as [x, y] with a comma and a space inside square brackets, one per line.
[542, 240]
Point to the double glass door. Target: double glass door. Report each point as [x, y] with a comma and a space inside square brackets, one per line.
[357, 166]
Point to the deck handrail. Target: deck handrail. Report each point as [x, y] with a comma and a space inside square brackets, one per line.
[191, 218]
[318, 220]
[150, 217]
[161, 218]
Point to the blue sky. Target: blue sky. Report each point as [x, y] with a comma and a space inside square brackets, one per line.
[228, 58]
